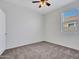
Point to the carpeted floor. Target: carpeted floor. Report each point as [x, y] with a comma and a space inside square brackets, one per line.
[41, 50]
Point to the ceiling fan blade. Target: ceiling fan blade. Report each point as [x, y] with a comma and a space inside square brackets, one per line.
[40, 6]
[35, 1]
[48, 4]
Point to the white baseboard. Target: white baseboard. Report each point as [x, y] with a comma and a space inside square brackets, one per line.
[2, 51]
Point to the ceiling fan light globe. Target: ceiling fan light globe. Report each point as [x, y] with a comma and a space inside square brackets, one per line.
[42, 4]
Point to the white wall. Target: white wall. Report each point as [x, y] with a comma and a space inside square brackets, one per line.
[53, 28]
[23, 25]
[2, 32]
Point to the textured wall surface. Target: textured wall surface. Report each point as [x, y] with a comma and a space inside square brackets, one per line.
[53, 28]
[24, 26]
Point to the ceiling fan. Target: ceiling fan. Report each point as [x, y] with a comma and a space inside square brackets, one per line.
[42, 3]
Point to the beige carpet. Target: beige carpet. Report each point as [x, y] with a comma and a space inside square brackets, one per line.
[41, 50]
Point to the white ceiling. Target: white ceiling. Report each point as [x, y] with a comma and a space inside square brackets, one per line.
[54, 4]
